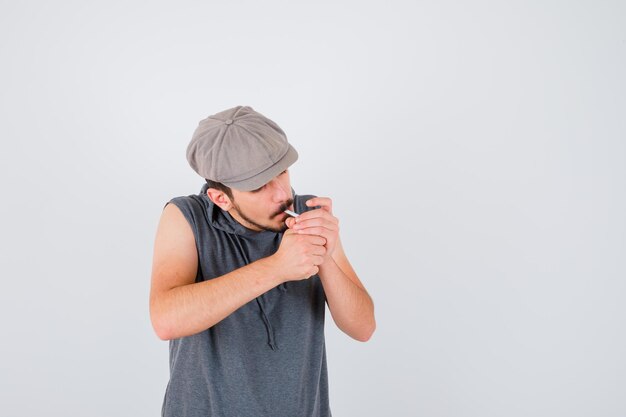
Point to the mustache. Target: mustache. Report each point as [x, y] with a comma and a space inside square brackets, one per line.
[284, 207]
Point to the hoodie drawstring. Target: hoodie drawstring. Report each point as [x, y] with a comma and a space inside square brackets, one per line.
[268, 326]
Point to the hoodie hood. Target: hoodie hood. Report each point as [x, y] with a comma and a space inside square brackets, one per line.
[222, 220]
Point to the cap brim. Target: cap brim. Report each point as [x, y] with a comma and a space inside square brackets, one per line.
[266, 176]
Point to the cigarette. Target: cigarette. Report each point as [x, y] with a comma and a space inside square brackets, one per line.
[291, 213]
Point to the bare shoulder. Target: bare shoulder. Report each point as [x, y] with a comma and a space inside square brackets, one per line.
[175, 258]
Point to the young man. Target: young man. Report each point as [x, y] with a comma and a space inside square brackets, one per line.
[239, 287]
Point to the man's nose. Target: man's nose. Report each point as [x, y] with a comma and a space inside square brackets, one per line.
[279, 193]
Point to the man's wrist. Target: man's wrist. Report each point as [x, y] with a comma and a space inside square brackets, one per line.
[272, 269]
[328, 262]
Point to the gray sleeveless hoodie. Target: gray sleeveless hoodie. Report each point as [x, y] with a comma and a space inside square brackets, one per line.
[267, 358]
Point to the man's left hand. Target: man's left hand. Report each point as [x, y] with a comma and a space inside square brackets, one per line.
[319, 222]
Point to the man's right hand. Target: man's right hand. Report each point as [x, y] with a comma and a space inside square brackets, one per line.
[298, 255]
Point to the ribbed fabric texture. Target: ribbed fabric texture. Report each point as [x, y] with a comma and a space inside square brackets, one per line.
[268, 358]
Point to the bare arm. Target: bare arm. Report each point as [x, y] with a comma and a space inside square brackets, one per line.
[181, 307]
[349, 303]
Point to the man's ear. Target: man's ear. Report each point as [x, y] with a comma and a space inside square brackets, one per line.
[219, 198]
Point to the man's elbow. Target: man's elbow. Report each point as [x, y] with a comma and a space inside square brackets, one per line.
[163, 335]
[367, 335]
[160, 327]
[160, 331]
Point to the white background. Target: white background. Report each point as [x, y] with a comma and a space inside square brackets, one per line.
[474, 152]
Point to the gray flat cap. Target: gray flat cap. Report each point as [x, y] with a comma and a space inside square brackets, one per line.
[240, 148]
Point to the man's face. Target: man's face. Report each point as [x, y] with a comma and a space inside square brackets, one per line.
[262, 209]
